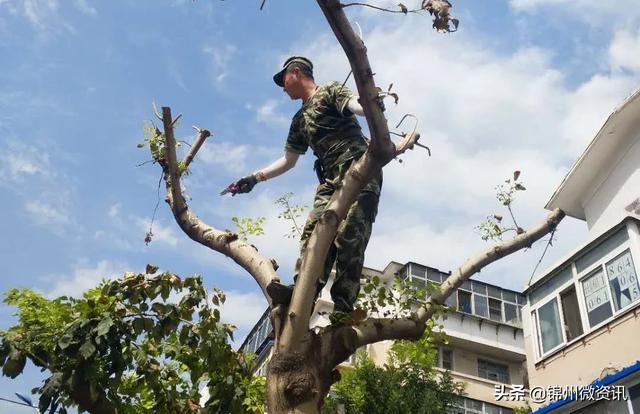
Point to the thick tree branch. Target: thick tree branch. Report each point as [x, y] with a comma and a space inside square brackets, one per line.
[376, 330]
[381, 145]
[381, 150]
[202, 135]
[242, 253]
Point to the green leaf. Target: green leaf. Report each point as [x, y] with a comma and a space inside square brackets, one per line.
[105, 324]
[87, 349]
[14, 364]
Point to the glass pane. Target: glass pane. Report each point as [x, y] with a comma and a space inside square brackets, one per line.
[522, 300]
[474, 405]
[495, 310]
[479, 287]
[602, 249]
[623, 280]
[596, 296]
[418, 283]
[510, 313]
[464, 301]
[480, 302]
[447, 359]
[493, 371]
[418, 270]
[571, 313]
[451, 301]
[466, 285]
[548, 287]
[435, 275]
[510, 296]
[494, 292]
[549, 319]
[491, 409]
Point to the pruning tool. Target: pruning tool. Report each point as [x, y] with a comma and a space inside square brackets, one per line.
[231, 188]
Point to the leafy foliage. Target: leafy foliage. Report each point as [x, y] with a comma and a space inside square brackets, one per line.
[378, 299]
[493, 227]
[291, 213]
[408, 383]
[147, 343]
[247, 226]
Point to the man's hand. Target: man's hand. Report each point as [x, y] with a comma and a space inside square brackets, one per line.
[245, 184]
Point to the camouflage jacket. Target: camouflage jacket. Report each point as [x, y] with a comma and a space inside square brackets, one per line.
[325, 124]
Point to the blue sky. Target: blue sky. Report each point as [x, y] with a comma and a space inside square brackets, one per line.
[524, 84]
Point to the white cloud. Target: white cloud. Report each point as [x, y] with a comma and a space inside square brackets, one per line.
[20, 161]
[85, 276]
[47, 214]
[114, 210]
[231, 157]
[221, 57]
[243, 309]
[594, 12]
[483, 114]
[624, 52]
[267, 113]
[85, 8]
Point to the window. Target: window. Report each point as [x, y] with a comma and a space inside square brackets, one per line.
[445, 358]
[511, 314]
[601, 250]
[480, 303]
[479, 287]
[464, 301]
[571, 313]
[418, 270]
[435, 276]
[551, 285]
[495, 310]
[469, 406]
[452, 301]
[623, 280]
[596, 297]
[550, 332]
[493, 371]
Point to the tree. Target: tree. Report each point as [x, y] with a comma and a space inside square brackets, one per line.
[407, 383]
[301, 370]
[147, 343]
[303, 365]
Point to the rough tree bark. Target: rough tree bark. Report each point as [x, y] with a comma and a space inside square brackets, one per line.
[303, 364]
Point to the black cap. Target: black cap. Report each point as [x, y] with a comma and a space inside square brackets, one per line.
[278, 78]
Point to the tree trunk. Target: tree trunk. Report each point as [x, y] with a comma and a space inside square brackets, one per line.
[298, 382]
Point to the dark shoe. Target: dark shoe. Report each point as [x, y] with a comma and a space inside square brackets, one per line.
[280, 294]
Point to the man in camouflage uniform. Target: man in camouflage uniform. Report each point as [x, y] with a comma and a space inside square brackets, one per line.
[326, 123]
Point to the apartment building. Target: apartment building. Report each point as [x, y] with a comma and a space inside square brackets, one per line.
[485, 345]
[582, 319]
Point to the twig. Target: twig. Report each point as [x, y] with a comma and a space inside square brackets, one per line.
[382, 8]
[543, 253]
[203, 134]
[155, 209]
[144, 163]
[518, 228]
[155, 111]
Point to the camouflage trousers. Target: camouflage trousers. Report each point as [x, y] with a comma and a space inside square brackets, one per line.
[347, 251]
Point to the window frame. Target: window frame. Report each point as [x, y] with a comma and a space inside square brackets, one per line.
[489, 361]
[632, 244]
